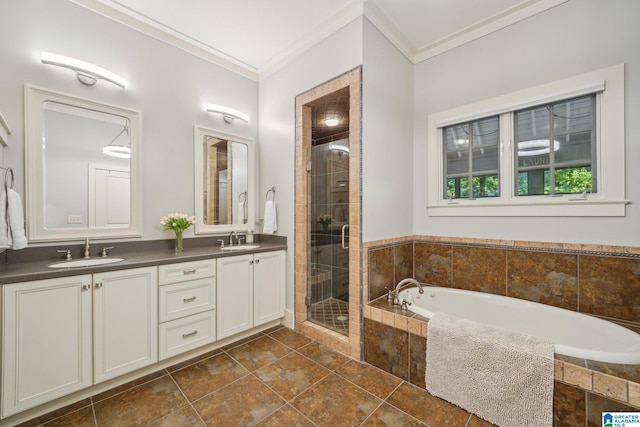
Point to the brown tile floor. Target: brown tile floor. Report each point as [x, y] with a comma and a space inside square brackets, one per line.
[274, 378]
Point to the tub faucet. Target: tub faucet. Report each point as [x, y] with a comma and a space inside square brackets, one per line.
[405, 283]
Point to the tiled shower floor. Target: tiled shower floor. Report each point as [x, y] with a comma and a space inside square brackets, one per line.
[274, 378]
[332, 314]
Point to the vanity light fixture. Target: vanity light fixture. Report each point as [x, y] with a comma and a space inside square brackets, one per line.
[86, 73]
[228, 114]
[118, 150]
[331, 122]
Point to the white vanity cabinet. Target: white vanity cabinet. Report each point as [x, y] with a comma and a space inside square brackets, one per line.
[65, 334]
[250, 291]
[46, 341]
[187, 306]
[125, 321]
[69, 334]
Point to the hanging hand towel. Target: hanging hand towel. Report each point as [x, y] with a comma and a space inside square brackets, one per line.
[270, 223]
[5, 237]
[15, 217]
[240, 215]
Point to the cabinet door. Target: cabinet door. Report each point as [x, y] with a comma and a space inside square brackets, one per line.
[268, 286]
[235, 295]
[46, 339]
[125, 310]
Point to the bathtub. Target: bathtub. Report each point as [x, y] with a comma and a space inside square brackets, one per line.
[574, 334]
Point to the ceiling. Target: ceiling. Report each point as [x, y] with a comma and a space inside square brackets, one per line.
[255, 37]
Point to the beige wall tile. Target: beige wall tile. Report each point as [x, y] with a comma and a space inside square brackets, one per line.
[558, 370]
[615, 388]
[376, 314]
[634, 394]
[388, 319]
[414, 326]
[578, 376]
[401, 322]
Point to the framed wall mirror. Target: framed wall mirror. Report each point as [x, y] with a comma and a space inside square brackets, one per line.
[82, 168]
[224, 182]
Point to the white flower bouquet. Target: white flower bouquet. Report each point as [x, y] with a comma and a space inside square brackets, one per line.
[178, 222]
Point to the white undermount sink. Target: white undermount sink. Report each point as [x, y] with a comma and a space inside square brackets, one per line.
[240, 247]
[85, 262]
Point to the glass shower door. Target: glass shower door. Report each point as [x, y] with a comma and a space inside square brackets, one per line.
[328, 292]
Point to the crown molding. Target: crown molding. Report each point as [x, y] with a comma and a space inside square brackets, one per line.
[389, 29]
[351, 11]
[142, 23]
[487, 26]
[152, 28]
[498, 21]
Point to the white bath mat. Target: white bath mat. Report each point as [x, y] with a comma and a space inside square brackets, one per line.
[503, 377]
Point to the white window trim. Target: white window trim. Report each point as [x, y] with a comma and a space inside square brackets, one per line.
[610, 169]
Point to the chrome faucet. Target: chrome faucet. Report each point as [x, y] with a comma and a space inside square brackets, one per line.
[87, 254]
[231, 237]
[404, 283]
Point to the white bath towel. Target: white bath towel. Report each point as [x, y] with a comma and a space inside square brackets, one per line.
[12, 233]
[15, 218]
[503, 377]
[5, 237]
[270, 221]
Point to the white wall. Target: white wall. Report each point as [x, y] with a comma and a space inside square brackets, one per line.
[332, 57]
[387, 139]
[570, 39]
[169, 87]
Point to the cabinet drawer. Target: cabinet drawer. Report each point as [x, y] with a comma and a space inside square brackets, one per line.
[186, 298]
[172, 273]
[187, 333]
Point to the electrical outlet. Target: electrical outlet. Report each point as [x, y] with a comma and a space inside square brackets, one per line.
[74, 219]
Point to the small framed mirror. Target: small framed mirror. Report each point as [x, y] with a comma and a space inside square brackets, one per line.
[224, 182]
[82, 168]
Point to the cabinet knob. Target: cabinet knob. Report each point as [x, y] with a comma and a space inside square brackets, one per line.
[86, 287]
[257, 261]
[99, 285]
[251, 262]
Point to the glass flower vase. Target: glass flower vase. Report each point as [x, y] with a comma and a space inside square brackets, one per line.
[178, 250]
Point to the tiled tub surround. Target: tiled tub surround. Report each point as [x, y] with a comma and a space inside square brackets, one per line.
[596, 280]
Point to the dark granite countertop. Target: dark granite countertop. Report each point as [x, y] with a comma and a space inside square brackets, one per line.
[33, 266]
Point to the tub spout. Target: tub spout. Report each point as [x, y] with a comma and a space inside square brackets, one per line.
[405, 283]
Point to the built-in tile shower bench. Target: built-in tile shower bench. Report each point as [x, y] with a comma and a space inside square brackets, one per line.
[395, 340]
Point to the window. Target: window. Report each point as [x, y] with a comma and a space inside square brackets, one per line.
[556, 148]
[552, 150]
[472, 159]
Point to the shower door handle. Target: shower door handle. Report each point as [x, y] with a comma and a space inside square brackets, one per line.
[344, 229]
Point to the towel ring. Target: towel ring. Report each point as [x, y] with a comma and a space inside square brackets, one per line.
[8, 174]
[271, 190]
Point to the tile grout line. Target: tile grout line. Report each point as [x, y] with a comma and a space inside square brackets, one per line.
[189, 403]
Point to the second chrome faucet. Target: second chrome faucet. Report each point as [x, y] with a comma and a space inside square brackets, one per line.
[87, 254]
